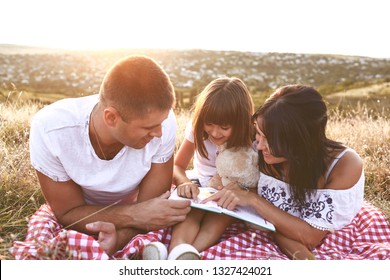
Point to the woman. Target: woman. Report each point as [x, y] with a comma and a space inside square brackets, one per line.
[309, 185]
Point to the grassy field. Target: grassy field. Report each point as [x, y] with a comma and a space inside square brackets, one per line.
[375, 99]
[363, 127]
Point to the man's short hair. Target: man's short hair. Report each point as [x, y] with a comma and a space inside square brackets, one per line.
[135, 85]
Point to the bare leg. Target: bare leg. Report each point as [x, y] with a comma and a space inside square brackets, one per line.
[186, 231]
[212, 227]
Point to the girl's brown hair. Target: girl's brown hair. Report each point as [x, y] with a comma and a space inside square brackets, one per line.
[224, 101]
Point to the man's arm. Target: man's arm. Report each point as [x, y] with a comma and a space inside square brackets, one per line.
[67, 202]
[64, 198]
[157, 181]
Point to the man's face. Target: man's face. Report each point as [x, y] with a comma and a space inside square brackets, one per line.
[136, 133]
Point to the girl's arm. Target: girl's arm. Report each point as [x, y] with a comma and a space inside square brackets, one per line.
[185, 188]
[182, 160]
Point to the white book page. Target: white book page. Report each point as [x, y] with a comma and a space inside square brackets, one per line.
[244, 213]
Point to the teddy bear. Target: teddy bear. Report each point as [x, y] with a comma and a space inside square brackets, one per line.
[237, 164]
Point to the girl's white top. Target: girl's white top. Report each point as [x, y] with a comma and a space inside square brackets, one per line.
[204, 168]
[61, 149]
[326, 209]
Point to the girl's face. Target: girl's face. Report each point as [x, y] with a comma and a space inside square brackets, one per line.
[262, 145]
[218, 134]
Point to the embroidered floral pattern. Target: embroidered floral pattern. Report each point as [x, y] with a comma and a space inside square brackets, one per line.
[316, 207]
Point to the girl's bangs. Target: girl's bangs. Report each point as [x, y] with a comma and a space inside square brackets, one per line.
[219, 115]
[219, 111]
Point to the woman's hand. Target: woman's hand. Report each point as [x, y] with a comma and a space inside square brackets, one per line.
[231, 196]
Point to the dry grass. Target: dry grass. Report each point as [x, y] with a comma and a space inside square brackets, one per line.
[369, 135]
[20, 195]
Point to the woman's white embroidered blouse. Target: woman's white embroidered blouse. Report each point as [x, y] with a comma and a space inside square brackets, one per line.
[326, 209]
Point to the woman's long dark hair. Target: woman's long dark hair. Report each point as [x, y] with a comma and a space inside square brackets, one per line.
[294, 120]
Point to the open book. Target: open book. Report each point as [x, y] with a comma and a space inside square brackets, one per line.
[244, 213]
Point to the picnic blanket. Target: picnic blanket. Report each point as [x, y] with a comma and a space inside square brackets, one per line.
[366, 237]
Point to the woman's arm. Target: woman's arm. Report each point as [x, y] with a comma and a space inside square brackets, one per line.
[286, 224]
[293, 232]
[346, 173]
[293, 249]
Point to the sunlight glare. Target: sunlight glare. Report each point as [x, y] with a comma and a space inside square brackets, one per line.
[300, 26]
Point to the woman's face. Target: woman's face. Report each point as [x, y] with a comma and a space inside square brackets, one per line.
[262, 145]
[218, 134]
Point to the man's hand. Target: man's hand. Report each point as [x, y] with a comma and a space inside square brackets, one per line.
[107, 237]
[160, 212]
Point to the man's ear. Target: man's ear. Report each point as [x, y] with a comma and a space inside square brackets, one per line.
[111, 116]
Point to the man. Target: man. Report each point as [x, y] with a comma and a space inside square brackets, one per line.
[109, 157]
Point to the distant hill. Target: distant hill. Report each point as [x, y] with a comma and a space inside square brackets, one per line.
[58, 72]
[19, 49]
[375, 98]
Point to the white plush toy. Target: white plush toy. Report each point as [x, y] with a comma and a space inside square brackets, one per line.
[236, 165]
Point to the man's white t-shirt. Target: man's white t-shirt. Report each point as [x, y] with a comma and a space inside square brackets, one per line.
[204, 168]
[61, 149]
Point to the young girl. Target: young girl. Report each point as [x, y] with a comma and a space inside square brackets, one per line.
[310, 185]
[222, 115]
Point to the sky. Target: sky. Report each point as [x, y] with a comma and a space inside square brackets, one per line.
[358, 27]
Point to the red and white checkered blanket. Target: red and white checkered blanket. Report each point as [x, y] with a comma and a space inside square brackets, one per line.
[367, 237]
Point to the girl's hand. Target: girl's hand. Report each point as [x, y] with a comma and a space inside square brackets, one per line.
[188, 190]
